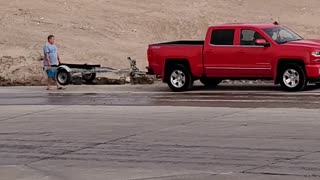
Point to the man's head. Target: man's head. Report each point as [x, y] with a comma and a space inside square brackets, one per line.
[51, 39]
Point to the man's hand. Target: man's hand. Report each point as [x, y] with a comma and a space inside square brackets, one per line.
[59, 61]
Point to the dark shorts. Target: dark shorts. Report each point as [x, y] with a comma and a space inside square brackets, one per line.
[51, 73]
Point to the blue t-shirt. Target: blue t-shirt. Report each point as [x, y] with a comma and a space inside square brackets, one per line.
[52, 50]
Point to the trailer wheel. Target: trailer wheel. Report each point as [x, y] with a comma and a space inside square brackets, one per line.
[63, 77]
[89, 77]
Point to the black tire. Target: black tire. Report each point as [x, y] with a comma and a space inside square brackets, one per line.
[210, 82]
[89, 77]
[297, 81]
[182, 76]
[63, 77]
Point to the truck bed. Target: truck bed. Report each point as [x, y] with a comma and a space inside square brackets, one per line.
[159, 53]
[185, 43]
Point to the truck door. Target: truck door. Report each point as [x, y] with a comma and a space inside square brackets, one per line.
[254, 60]
[219, 58]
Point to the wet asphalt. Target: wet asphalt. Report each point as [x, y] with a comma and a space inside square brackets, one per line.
[147, 132]
[238, 96]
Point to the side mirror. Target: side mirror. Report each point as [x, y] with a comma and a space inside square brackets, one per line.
[262, 42]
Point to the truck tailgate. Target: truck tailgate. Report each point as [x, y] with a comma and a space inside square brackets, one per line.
[158, 54]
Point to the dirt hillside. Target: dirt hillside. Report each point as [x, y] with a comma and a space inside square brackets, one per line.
[107, 31]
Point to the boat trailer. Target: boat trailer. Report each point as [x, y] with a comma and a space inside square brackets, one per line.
[88, 72]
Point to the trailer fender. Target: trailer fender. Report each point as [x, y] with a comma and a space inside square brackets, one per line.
[65, 68]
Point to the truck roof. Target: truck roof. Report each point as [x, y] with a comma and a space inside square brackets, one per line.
[236, 25]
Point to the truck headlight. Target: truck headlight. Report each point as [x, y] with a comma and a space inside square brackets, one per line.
[316, 54]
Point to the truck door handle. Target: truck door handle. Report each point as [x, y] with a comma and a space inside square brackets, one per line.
[242, 51]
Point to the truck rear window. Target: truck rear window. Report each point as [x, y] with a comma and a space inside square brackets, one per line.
[222, 37]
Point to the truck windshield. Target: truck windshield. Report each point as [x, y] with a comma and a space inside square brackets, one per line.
[282, 35]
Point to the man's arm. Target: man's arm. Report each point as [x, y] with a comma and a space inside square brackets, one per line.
[58, 58]
[48, 59]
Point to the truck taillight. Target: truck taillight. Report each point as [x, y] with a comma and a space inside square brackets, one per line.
[149, 54]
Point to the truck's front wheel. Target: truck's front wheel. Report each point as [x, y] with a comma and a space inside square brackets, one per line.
[179, 78]
[293, 78]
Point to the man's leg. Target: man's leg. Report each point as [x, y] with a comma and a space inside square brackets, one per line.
[49, 79]
[57, 84]
[59, 87]
[49, 84]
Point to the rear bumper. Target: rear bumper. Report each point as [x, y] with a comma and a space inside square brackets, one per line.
[150, 71]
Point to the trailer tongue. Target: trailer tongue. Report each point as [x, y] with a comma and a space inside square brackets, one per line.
[65, 71]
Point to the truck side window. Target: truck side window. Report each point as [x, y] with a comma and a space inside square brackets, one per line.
[248, 37]
[222, 37]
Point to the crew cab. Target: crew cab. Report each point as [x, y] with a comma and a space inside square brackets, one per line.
[238, 51]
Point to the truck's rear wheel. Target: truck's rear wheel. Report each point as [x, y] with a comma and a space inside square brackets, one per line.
[293, 78]
[179, 78]
[210, 82]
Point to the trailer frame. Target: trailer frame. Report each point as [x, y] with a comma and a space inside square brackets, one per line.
[88, 72]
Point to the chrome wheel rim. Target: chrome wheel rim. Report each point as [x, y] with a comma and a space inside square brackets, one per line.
[62, 77]
[291, 78]
[178, 79]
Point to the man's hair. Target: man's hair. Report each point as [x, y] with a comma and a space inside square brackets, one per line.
[50, 36]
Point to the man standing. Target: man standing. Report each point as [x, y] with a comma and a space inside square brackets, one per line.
[51, 60]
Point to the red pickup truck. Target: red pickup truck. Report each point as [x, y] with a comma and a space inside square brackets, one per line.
[238, 51]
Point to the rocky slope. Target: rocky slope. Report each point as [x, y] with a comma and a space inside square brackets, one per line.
[107, 31]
